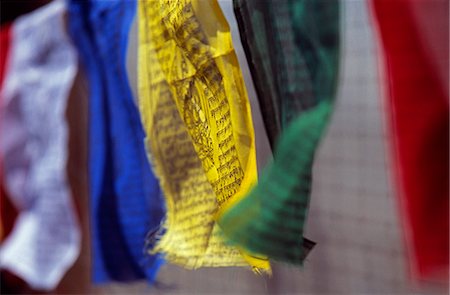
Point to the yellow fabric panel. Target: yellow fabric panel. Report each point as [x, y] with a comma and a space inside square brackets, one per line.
[197, 118]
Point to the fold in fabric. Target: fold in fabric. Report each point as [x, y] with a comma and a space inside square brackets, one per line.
[45, 240]
[418, 112]
[293, 50]
[197, 118]
[125, 196]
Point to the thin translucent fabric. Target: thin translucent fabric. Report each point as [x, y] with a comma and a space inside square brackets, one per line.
[293, 50]
[199, 129]
[125, 196]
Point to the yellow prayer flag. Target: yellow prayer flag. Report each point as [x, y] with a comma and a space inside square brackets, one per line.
[199, 128]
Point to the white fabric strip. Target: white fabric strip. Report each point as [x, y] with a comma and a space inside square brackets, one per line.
[45, 240]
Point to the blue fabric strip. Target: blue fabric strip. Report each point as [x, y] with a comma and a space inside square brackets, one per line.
[125, 196]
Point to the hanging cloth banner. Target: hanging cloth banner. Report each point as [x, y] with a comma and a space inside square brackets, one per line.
[293, 52]
[418, 108]
[45, 240]
[199, 129]
[8, 213]
[125, 196]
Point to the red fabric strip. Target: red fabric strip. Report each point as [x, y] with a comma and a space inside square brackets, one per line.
[419, 119]
[7, 210]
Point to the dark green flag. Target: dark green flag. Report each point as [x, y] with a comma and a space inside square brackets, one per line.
[292, 47]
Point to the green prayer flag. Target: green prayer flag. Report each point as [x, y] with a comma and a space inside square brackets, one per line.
[293, 51]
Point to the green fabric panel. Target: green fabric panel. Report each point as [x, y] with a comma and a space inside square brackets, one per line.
[293, 51]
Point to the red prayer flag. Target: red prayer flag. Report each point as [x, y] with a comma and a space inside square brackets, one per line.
[418, 109]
